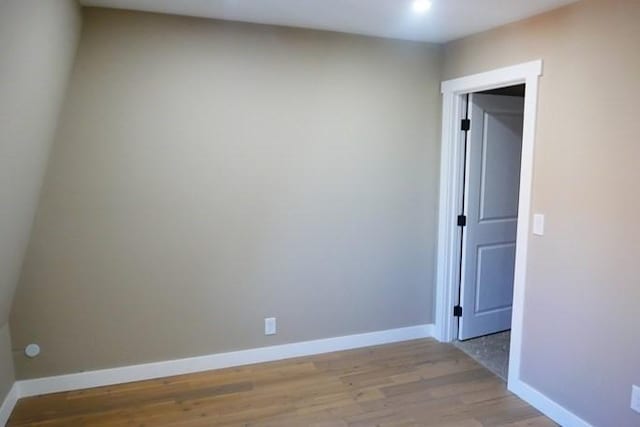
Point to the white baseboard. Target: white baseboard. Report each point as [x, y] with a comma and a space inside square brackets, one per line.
[189, 365]
[542, 403]
[9, 402]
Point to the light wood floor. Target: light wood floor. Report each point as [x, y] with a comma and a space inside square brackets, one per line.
[420, 382]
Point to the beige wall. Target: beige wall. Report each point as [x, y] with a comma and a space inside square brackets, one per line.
[7, 374]
[581, 335]
[207, 175]
[38, 41]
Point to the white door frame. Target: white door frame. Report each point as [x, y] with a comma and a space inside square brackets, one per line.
[451, 187]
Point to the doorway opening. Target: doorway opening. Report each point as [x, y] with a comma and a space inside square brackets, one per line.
[488, 223]
[497, 265]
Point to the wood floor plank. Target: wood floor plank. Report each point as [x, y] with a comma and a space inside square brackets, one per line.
[415, 383]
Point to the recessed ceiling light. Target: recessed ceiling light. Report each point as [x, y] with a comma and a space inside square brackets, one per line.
[421, 6]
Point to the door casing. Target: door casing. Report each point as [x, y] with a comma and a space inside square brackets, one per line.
[450, 204]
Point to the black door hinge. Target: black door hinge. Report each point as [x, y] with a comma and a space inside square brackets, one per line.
[465, 125]
[457, 311]
[462, 220]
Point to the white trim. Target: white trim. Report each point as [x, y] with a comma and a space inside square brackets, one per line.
[451, 185]
[551, 409]
[524, 219]
[493, 79]
[148, 371]
[9, 403]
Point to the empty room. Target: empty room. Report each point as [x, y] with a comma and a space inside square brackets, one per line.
[319, 213]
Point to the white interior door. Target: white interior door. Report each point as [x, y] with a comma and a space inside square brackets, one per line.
[494, 145]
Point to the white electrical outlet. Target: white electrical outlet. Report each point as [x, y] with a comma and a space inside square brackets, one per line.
[635, 398]
[270, 326]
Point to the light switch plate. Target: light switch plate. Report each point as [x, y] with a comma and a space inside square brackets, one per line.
[635, 398]
[538, 224]
[270, 326]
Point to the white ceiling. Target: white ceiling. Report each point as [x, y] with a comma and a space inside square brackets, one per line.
[447, 19]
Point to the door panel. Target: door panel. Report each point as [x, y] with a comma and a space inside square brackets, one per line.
[495, 277]
[499, 176]
[491, 202]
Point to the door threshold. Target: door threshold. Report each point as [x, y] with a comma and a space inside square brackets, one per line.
[490, 351]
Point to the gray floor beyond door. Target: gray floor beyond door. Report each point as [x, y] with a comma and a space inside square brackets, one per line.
[491, 351]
